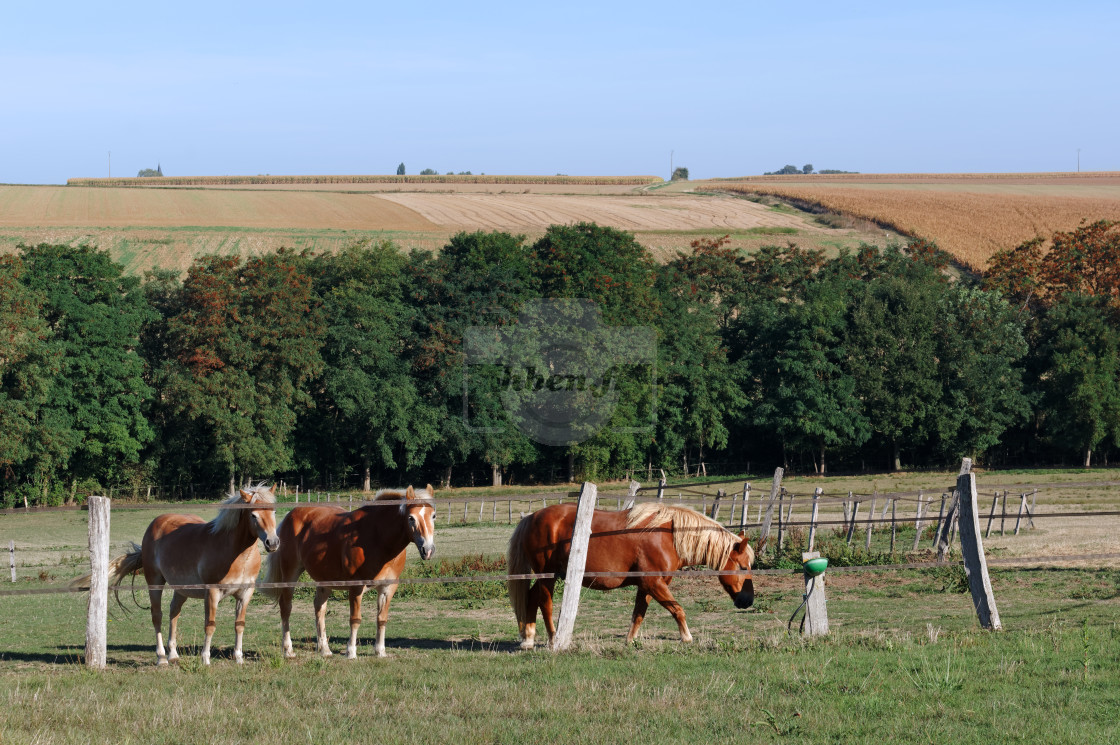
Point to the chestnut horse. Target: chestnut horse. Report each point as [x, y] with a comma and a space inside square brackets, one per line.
[185, 550]
[333, 545]
[651, 537]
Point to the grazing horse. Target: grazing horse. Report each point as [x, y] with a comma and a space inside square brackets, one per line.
[334, 545]
[185, 550]
[652, 537]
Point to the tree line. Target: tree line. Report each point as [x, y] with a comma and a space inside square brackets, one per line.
[351, 368]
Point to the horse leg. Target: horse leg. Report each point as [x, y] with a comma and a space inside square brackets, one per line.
[540, 597]
[177, 601]
[355, 620]
[155, 597]
[641, 605]
[285, 600]
[659, 590]
[243, 598]
[384, 595]
[322, 594]
[213, 595]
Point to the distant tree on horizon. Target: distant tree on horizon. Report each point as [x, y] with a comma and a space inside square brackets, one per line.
[400, 169]
[680, 174]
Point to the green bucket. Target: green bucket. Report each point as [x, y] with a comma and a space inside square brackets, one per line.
[816, 566]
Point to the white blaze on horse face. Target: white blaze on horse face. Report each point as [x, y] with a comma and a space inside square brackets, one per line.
[421, 527]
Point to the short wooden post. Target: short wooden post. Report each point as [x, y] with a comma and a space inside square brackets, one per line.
[1030, 512]
[746, 501]
[870, 525]
[940, 518]
[781, 524]
[1003, 513]
[813, 519]
[509, 505]
[949, 527]
[1019, 517]
[577, 561]
[775, 490]
[98, 613]
[720, 494]
[918, 521]
[12, 558]
[991, 515]
[816, 603]
[894, 524]
[972, 551]
[661, 487]
[852, 522]
[631, 495]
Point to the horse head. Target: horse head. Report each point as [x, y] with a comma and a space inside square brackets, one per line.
[739, 586]
[420, 512]
[262, 520]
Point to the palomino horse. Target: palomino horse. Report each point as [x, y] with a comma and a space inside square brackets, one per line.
[185, 550]
[652, 537]
[333, 545]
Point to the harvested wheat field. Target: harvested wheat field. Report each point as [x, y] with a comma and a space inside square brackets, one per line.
[166, 227]
[970, 216]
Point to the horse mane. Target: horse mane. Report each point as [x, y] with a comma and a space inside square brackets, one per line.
[698, 539]
[399, 494]
[228, 519]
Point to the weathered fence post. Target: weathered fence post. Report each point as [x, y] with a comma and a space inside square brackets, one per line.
[870, 522]
[631, 495]
[991, 515]
[951, 518]
[918, 521]
[577, 561]
[1003, 513]
[781, 524]
[813, 519]
[972, 551]
[97, 616]
[775, 490]
[1019, 517]
[746, 501]
[852, 524]
[661, 486]
[894, 524]
[816, 603]
[12, 558]
[720, 494]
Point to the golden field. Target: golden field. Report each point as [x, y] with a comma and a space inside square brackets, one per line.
[972, 216]
[168, 226]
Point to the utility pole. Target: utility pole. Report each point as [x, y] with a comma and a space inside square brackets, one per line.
[670, 165]
[110, 164]
[1079, 160]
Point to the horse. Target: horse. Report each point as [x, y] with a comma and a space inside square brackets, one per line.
[333, 545]
[185, 550]
[651, 537]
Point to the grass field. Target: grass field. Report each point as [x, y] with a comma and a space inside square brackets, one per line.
[905, 659]
[970, 216]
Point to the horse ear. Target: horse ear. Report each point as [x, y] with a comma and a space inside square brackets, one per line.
[409, 493]
[431, 491]
[245, 496]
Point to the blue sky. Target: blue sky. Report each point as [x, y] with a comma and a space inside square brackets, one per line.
[603, 88]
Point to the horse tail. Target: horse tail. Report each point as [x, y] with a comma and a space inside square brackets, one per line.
[119, 568]
[283, 564]
[517, 562]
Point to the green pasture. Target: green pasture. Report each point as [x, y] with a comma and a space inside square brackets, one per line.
[905, 659]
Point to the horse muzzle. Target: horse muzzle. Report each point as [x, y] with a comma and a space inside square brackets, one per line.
[744, 600]
[426, 548]
[271, 544]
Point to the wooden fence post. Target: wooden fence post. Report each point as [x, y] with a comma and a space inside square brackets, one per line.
[631, 495]
[991, 515]
[1019, 517]
[870, 523]
[577, 561]
[949, 527]
[852, 524]
[12, 558]
[816, 604]
[918, 521]
[813, 520]
[894, 524]
[97, 616]
[972, 551]
[720, 494]
[746, 501]
[661, 486]
[775, 490]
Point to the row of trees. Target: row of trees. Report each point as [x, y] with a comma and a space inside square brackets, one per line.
[355, 366]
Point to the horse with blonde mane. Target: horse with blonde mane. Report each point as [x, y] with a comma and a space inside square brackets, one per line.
[365, 546]
[651, 537]
[221, 554]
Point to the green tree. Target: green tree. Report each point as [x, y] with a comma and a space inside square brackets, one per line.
[400, 169]
[679, 174]
[1080, 384]
[242, 346]
[93, 426]
[368, 406]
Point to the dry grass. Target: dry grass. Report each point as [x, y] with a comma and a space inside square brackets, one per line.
[972, 217]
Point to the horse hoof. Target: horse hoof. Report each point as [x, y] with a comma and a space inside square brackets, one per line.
[161, 662]
[289, 654]
[527, 645]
